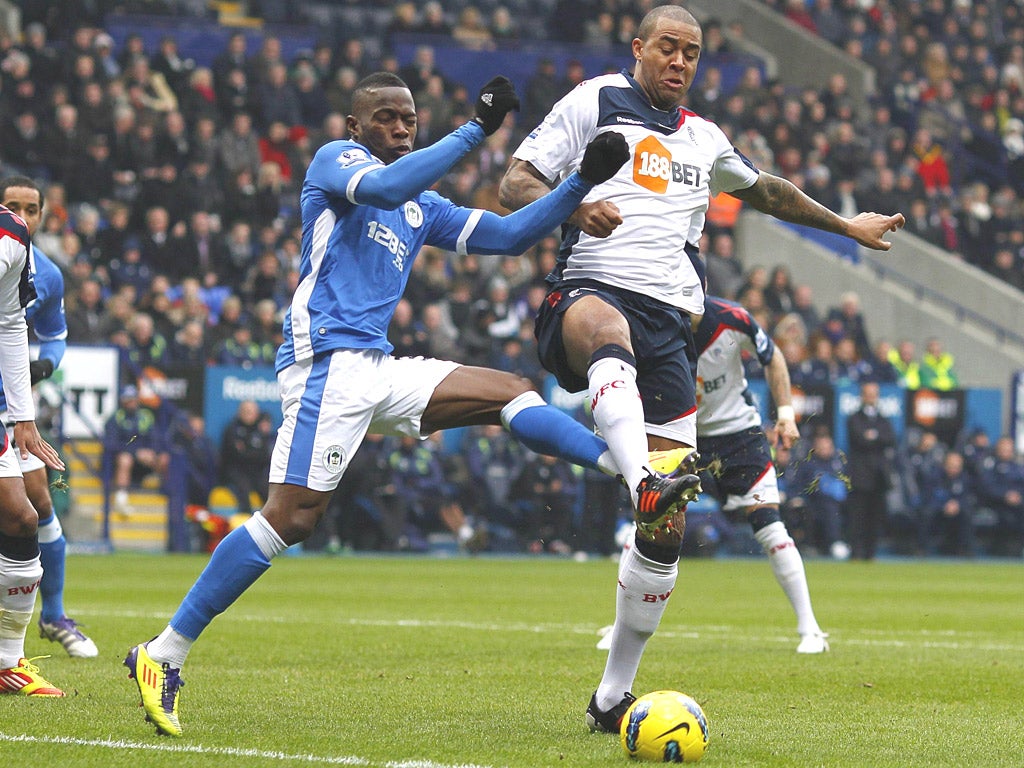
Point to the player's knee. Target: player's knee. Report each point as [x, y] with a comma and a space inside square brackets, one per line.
[296, 528]
[43, 504]
[294, 524]
[760, 517]
[518, 385]
[20, 521]
[772, 534]
[502, 388]
[615, 352]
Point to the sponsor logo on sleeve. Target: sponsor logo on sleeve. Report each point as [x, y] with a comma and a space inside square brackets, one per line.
[352, 156]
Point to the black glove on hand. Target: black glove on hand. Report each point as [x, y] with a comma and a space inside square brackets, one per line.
[40, 369]
[496, 100]
[604, 156]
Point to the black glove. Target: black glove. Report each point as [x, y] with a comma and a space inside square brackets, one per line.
[604, 156]
[40, 369]
[496, 100]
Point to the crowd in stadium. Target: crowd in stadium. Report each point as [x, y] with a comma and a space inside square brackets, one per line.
[171, 206]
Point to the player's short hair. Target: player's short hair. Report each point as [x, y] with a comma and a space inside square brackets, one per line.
[20, 181]
[372, 83]
[674, 12]
[378, 80]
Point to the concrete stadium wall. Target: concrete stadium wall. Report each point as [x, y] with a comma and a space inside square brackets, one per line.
[919, 262]
[892, 311]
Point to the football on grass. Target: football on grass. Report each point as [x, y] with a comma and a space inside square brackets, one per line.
[665, 727]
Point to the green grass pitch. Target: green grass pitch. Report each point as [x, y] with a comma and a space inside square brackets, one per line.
[438, 663]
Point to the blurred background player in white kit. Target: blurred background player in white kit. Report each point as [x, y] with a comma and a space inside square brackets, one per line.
[734, 445]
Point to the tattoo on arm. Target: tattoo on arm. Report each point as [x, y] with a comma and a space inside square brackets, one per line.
[521, 185]
[784, 200]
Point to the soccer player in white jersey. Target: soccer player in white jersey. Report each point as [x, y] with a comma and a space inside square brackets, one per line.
[20, 567]
[366, 210]
[45, 314]
[616, 321]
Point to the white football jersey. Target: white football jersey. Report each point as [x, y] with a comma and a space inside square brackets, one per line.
[679, 160]
[724, 404]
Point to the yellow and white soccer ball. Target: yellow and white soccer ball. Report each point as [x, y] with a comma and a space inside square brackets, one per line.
[665, 727]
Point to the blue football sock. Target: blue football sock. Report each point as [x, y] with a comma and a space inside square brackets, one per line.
[234, 566]
[545, 429]
[52, 545]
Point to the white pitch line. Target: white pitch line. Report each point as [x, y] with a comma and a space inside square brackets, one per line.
[121, 744]
[950, 640]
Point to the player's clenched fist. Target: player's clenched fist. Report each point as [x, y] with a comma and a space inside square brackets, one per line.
[496, 100]
[603, 157]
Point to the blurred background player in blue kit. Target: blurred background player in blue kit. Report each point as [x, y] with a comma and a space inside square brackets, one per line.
[46, 318]
[366, 212]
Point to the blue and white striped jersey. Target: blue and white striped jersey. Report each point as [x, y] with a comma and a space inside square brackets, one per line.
[356, 259]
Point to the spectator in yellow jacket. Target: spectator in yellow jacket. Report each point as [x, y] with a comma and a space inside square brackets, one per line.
[902, 359]
[937, 368]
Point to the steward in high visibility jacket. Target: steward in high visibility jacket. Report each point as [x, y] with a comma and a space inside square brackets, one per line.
[902, 359]
[937, 368]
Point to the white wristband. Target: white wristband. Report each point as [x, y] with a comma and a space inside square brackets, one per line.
[785, 413]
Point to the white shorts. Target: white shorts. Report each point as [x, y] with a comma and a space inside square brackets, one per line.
[24, 466]
[330, 403]
[10, 462]
[764, 491]
[682, 430]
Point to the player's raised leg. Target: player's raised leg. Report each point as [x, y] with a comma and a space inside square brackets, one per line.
[469, 395]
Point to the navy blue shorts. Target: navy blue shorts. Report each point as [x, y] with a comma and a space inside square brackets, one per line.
[737, 461]
[666, 357]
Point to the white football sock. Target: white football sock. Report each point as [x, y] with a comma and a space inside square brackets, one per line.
[19, 584]
[788, 567]
[170, 646]
[619, 416]
[640, 601]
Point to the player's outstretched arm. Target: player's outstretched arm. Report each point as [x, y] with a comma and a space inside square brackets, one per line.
[784, 200]
[514, 233]
[393, 185]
